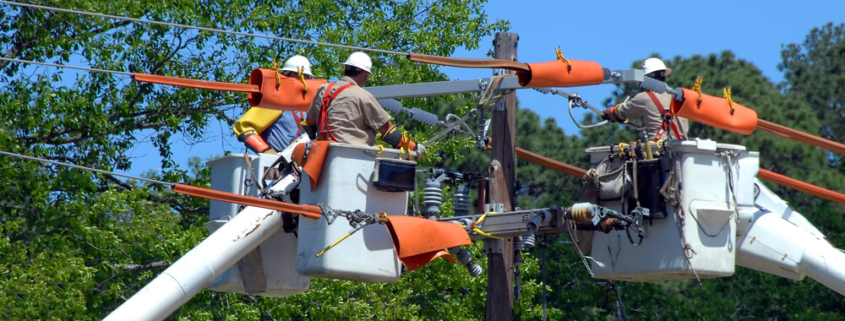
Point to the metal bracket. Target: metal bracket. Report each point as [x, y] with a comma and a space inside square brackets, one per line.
[625, 76]
[493, 246]
[494, 207]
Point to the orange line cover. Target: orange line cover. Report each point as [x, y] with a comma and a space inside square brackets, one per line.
[286, 93]
[550, 163]
[799, 136]
[801, 186]
[194, 83]
[309, 211]
[558, 74]
[715, 112]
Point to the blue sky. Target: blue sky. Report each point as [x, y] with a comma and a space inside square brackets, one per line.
[613, 33]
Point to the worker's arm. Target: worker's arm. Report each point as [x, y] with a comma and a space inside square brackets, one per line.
[252, 124]
[633, 108]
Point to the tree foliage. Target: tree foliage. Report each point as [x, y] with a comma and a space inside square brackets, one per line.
[76, 244]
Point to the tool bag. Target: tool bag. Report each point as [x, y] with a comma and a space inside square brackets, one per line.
[611, 179]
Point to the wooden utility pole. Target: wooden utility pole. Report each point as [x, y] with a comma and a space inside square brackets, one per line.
[502, 172]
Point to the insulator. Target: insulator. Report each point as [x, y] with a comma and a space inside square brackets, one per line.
[465, 258]
[654, 85]
[461, 200]
[474, 269]
[391, 105]
[517, 260]
[529, 240]
[423, 116]
[461, 255]
[534, 223]
[432, 197]
[518, 244]
[582, 212]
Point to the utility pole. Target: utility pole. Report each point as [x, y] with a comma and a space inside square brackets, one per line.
[502, 172]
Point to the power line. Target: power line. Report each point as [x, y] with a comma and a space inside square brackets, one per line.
[66, 66]
[308, 42]
[83, 168]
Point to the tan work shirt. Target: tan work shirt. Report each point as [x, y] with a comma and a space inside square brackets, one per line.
[641, 107]
[354, 116]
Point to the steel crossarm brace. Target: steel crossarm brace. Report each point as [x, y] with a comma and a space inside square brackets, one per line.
[514, 223]
[475, 85]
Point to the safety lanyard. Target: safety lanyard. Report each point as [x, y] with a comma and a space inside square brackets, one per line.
[667, 118]
[323, 120]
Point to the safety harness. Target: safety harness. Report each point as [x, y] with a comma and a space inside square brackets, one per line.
[323, 120]
[667, 118]
[298, 118]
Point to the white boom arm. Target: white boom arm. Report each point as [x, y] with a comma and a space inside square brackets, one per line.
[782, 242]
[204, 263]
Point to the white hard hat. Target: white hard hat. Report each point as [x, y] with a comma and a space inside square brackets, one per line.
[295, 63]
[360, 60]
[651, 65]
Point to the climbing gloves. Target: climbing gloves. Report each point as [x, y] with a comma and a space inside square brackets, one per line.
[255, 143]
[610, 114]
[399, 140]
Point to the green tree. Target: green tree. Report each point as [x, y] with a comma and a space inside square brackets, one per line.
[75, 245]
[813, 73]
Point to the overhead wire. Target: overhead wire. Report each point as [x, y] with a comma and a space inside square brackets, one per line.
[66, 66]
[177, 25]
[309, 211]
[38, 159]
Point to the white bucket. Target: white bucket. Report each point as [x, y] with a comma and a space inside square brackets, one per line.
[346, 184]
[709, 224]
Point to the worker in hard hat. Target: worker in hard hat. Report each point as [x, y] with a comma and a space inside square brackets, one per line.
[269, 131]
[344, 112]
[652, 109]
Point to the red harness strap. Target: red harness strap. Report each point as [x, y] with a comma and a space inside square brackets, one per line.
[323, 120]
[298, 119]
[667, 118]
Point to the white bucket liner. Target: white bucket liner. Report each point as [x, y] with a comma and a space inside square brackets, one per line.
[346, 183]
[270, 268]
[709, 225]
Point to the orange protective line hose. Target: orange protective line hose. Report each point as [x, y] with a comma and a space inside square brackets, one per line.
[560, 74]
[469, 63]
[550, 163]
[715, 112]
[801, 186]
[309, 211]
[195, 83]
[799, 136]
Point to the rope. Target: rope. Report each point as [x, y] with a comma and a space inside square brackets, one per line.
[697, 87]
[559, 55]
[66, 66]
[276, 72]
[300, 72]
[727, 93]
[307, 42]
